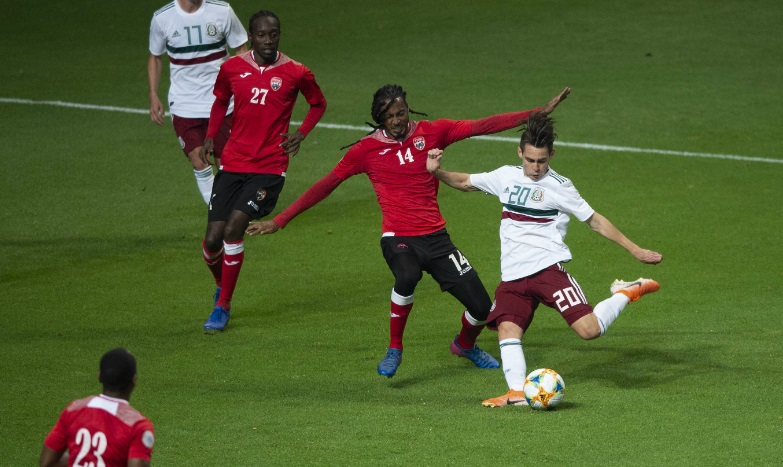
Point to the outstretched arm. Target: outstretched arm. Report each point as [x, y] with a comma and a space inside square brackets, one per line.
[552, 104]
[496, 123]
[458, 180]
[604, 227]
[320, 190]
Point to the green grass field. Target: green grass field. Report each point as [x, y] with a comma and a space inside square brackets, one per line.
[102, 225]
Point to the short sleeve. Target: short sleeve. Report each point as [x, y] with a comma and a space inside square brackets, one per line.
[450, 131]
[572, 202]
[488, 182]
[351, 164]
[57, 439]
[143, 441]
[222, 88]
[236, 36]
[157, 39]
[309, 87]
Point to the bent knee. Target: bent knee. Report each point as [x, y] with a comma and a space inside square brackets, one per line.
[406, 280]
[587, 327]
[589, 334]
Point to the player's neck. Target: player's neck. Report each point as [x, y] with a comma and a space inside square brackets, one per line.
[262, 63]
[117, 395]
[190, 6]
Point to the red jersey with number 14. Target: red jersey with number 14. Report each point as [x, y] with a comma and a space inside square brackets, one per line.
[102, 430]
[406, 191]
[264, 99]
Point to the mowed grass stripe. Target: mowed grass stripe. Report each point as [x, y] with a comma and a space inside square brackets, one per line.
[335, 126]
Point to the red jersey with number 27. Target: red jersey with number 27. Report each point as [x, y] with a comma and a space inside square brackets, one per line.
[102, 430]
[264, 99]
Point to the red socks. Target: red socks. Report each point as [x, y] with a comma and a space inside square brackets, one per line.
[232, 264]
[470, 331]
[214, 262]
[397, 321]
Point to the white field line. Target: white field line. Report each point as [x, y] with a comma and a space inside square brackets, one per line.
[334, 126]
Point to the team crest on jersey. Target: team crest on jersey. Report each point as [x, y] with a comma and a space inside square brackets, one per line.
[212, 29]
[418, 142]
[537, 195]
[276, 83]
[148, 439]
[260, 194]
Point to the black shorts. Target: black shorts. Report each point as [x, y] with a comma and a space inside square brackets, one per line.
[435, 254]
[253, 194]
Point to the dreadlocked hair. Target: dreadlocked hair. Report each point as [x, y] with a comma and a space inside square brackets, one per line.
[382, 101]
[539, 132]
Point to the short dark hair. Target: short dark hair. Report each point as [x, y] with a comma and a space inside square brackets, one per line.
[262, 14]
[539, 131]
[117, 369]
[383, 100]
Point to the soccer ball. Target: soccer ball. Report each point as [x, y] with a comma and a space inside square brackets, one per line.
[544, 389]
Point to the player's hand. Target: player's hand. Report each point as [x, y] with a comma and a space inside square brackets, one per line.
[207, 151]
[262, 228]
[156, 110]
[551, 105]
[433, 160]
[648, 256]
[291, 143]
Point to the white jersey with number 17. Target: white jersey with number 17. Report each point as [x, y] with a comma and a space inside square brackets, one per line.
[534, 219]
[196, 44]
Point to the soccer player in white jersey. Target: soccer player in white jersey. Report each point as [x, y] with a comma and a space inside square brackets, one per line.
[196, 35]
[537, 202]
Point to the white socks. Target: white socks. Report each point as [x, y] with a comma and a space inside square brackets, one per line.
[204, 180]
[608, 310]
[514, 366]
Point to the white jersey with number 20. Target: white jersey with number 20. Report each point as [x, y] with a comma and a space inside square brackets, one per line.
[534, 219]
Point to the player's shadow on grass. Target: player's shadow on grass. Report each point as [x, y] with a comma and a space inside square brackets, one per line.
[643, 367]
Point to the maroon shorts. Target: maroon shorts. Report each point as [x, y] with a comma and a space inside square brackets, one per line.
[516, 301]
[192, 131]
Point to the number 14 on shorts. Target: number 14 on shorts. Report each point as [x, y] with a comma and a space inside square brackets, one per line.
[461, 264]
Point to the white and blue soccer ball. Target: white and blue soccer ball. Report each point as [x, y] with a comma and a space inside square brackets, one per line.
[544, 389]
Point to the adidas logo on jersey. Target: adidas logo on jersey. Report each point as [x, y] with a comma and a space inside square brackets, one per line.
[176, 34]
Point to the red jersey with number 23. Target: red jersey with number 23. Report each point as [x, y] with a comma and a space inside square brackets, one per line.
[264, 99]
[102, 430]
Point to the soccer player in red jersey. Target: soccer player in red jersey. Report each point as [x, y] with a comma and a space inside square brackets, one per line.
[414, 237]
[265, 84]
[103, 430]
